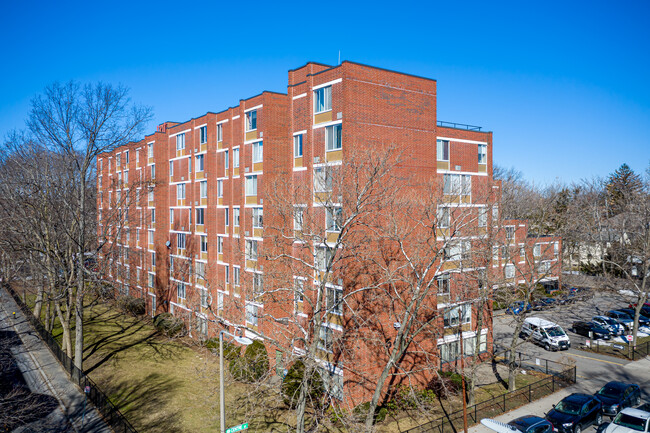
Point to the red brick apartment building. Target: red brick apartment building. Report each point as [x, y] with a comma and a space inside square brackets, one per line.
[233, 219]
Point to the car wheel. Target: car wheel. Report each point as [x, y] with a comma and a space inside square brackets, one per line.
[577, 429]
[637, 400]
[547, 347]
[599, 419]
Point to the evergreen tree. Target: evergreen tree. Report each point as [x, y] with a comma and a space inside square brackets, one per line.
[622, 186]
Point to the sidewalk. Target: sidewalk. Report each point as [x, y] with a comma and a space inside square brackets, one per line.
[634, 372]
[44, 375]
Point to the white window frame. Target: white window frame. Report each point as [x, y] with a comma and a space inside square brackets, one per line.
[442, 150]
[258, 217]
[181, 241]
[251, 250]
[251, 120]
[200, 163]
[203, 134]
[219, 133]
[457, 315]
[482, 154]
[181, 290]
[323, 100]
[204, 243]
[235, 216]
[200, 216]
[444, 217]
[180, 191]
[333, 137]
[219, 188]
[258, 152]
[251, 185]
[235, 157]
[203, 189]
[297, 146]
[180, 141]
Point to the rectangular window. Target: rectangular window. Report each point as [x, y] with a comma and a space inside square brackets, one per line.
[495, 214]
[482, 153]
[153, 216]
[150, 150]
[219, 132]
[334, 298]
[457, 184]
[137, 157]
[153, 171]
[323, 99]
[235, 216]
[189, 165]
[126, 178]
[251, 120]
[235, 158]
[334, 218]
[180, 241]
[258, 151]
[181, 290]
[510, 233]
[251, 185]
[152, 278]
[227, 216]
[235, 275]
[203, 187]
[200, 216]
[226, 161]
[458, 315]
[251, 250]
[443, 150]
[325, 338]
[298, 296]
[204, 295]
[180, 191]
[258, 284]
[204, 244]
[510, 271]
[171, 168]
[171, 216]
[297, 146]
[482, 217]
[444, 220]
[252, 314]
[444, 284]
[118, 160]
[333, 137]
[199, 269]
[322, 179]
[220, 244]
[537, 250]
[180, 141]
[219, 302]
[126, 157]
[199, 163]
[298, 218]
[203, 134]
[323, 258]
[258, 217]
[153, 259]
[220, 188]
[150, 238]
[227, 274]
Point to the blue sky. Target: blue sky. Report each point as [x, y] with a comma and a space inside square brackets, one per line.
[564, 86]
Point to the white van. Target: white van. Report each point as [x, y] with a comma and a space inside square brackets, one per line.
[547, 334]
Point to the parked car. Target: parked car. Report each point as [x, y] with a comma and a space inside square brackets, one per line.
[543, 303]
[575, 412]
[645, 309]
[516, 308]
[524, 424]
[630, 421]
[591, 330]
[547, 334]
[621, 318]
[610, 324]
[643, 320]
[616, 396]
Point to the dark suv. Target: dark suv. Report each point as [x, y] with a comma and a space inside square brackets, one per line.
[591, 330]
[618, 395]
[576, 412]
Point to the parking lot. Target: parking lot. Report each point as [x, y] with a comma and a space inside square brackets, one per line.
[593, 369]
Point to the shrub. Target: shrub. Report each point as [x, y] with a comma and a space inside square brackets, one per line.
[169, 325]
[132, 305]
[446, 383]
[361, 411]
[253, 366]
[291, 386]
[230, 350]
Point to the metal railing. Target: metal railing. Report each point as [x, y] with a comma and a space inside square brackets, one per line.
[558, 379]
[111, 414]
[458, 126]
[618, 349]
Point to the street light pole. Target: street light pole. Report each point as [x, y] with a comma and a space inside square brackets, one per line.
[222, 406]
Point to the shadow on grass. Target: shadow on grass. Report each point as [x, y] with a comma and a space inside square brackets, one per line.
[145, 402]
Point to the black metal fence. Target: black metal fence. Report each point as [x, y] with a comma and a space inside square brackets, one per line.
[109, 412]
[559, 378]
[619, 349]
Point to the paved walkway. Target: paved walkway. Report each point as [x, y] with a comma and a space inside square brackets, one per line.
[45, 375]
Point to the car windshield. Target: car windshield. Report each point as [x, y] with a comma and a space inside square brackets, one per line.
[629, 421]
[555, 331]
[610, 391]
[568, 407]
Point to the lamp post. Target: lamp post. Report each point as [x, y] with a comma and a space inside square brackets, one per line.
[222, 407]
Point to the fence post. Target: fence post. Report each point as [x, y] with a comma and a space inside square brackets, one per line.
[530, 394]
[546, 366]
[504, 402]
[552, 383]
[475, 416]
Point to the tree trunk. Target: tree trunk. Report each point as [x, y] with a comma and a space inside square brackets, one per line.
[38, 305]
[66, 342]
[81, 275]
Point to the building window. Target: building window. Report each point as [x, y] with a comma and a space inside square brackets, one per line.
[333, 137]
[219, 245]
[332, 382]
[180, 287]
[258, 151]
[444, 284]
[495, 214]
[151, 281]
[220, 188]
[323, 99]
[444, 220]
[189, 165]
[334, 300]
[457, 184]
[298, 215]
[326, 339]
[252, 314]
[323, 258]
[235, 275]
[227, 274]
[180, 141]
[199, 269]
[322, 179]
[251, 185]
[204, 296]
[171, 168]
[180, 241]
[203, 189]
[204, 244]
[225, 160]
[482, 217]
[203, 134]
[258, 217]
[537, 250]
[510, 233]
[509, 271]
[235, 216]
[235, 158]
[200, 216]
[171, 216]
[297, 146]
[150, 150]
[153, 259]
[443, 150]
[118, 160]
[251, 120]
[251, 250]
[482, 153]
[219, 133]
[126, 157]
[180, 191]
[199, 163]
[153, 216]
[150, 238]
[298, 295]
[334, 218]
[219, 302]
[458, 315]
[227, 216]
[258, 284]
[458, 251]
[153, 171]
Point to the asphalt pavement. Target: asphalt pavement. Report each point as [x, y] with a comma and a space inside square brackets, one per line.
[46, 379]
